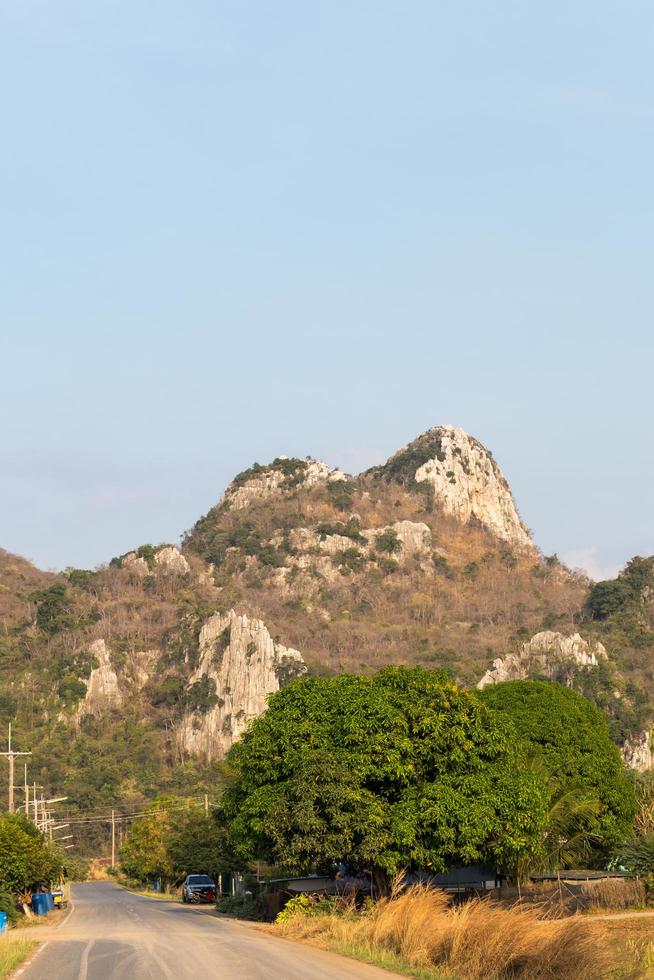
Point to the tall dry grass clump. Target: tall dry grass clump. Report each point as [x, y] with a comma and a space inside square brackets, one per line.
[614, 893]
[479, 939]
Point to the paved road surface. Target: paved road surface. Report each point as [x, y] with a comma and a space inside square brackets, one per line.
[113, 934]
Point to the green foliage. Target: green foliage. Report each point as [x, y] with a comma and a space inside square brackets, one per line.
[144, 853]
[147, 552]
[623, 594]
[241, 906]
[25, 857]
[309, 906]
[401, 468]
[637, 855]
[571, 738]
[201, 695]
[172, 841]
[168, 692]
[388, 542]
[350, 530]
[9, 905]
[197, 844]
[349, 560]
[83, 579]
[340, 493]
[293, 470]
[75, 868]
[402, 769]
[52, 608]
[71, 689]
[269, 555]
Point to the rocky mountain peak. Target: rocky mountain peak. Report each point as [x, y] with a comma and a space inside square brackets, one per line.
[283, 474]
[463, 478]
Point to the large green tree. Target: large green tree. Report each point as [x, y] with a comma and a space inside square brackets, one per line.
[570, 736]
[402, 769]
[197, 844]
[144, 853]
[25, 856]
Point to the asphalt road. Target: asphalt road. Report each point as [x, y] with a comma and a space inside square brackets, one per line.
[113, 934]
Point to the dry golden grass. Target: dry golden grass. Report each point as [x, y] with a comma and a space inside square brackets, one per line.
[479, 939]
[614, 893]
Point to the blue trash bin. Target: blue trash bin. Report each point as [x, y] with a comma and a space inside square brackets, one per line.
[49, 901]
[3, 923]
[39, 903]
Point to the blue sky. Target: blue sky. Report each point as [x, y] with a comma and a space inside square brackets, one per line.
[234, 230]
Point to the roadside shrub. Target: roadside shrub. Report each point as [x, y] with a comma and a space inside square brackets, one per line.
[8, 905]
[242, 906]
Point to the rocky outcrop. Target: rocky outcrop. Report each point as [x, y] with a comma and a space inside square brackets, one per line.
[135, 564]
[167, 560]
[547, 654]
[140, 667]
[464, 479]
[413, 538]
[284, 475]
[637, 751]
[102, 690]
[240, 665]
[171, 561]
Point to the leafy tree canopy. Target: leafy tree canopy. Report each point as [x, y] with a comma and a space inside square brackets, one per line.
[402, 769]
[25, 857]
[173, 839]
[571, 737]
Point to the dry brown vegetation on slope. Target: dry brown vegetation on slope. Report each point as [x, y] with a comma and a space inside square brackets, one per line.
[467, 599]
[476, 940]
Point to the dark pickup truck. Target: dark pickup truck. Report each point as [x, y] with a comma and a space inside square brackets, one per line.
[199, 888]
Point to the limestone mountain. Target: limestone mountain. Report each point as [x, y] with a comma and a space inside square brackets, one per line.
[136, 677]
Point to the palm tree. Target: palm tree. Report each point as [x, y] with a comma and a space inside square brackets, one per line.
[567, 838]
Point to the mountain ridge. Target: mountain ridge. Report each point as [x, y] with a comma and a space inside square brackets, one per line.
[159, 659]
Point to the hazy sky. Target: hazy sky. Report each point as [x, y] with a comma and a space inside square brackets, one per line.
[237, 229]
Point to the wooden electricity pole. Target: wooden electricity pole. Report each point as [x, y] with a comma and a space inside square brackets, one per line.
[113, 838]
[11, 755]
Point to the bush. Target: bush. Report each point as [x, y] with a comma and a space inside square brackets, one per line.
[77, 869]
[242, 906]
[388, 541]
[8, 904]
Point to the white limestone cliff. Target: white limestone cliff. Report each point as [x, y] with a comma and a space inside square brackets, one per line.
[637, 751]
[239, 655]
[167, 560]
[547, 654]
[170, 560]
[467, 482]
[102, 690]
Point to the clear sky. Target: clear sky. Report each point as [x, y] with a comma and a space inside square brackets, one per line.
[232, 230]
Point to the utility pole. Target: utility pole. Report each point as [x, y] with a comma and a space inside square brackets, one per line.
[206, 805]
[26, 787]
[11, 756]
[113, 838]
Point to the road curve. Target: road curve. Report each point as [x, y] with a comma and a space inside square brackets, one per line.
[113, 934]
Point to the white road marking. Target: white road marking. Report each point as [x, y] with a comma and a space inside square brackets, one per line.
[84, 962]
[36, 952]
